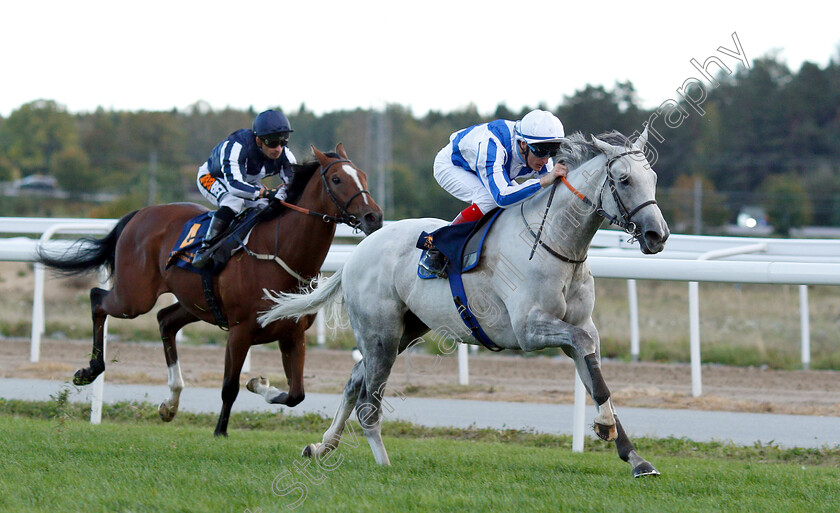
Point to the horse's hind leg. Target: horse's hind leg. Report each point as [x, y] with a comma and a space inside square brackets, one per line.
[126, 301]
[170, 320]
[97, 358]
[379, 359]
[332, 437]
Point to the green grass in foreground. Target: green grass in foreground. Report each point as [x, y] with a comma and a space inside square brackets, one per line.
[54, 461]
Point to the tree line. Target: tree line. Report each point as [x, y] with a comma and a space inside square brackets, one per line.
[767, 136]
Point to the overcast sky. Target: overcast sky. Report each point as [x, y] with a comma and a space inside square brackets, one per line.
[330, 55]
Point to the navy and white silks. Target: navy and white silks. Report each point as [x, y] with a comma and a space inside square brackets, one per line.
[482, 165]
[231, 176]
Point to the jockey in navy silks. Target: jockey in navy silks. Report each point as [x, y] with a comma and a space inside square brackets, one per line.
[497, 164]
[230, 179]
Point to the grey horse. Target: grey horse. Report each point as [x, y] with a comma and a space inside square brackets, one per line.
[524, 300]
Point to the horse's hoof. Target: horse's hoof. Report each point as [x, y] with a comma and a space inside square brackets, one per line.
[309, 451]
[166, 413]
[605, 433]
[220, 434]
[82, 377]
[645, 469]
[252, 384]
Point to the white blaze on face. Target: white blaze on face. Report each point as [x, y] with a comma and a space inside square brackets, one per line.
[350, 170]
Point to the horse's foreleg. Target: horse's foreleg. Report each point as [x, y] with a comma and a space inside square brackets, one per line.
[332, 437]
[589, 368]
[627, 452]
[97, 358]
[170, 320]
[293, 354]
[235, 353]
[544, 330]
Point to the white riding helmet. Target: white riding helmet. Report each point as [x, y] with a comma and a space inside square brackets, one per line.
[539, 126]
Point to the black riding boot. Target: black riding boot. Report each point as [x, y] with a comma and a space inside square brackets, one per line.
[434, 262]
[220, 222]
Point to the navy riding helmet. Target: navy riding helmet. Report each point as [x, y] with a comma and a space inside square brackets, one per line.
[271, 122]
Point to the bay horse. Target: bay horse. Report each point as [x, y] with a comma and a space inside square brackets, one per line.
[525, 303]
[136, 253]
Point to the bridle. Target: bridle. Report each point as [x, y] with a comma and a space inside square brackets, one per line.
[345, 217]
[624, 221]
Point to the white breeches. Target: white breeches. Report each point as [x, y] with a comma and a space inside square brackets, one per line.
[462, 184]
[216, 191]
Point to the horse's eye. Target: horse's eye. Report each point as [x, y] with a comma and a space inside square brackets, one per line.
[622, 178]
[336, 180]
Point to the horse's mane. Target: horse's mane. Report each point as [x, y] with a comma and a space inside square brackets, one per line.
[300, 176]
[301, 173]
[578, 149]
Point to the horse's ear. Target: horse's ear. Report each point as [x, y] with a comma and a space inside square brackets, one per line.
[603, 146]
[641, 141]
[340, 150]
[323, 159]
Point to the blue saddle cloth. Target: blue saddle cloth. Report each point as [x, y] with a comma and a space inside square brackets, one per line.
[462, 245]
[193, 233]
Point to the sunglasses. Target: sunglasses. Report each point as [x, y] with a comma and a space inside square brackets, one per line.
[273, 142]
[542, 150]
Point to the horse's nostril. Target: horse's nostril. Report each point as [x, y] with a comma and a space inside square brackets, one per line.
[372, 218]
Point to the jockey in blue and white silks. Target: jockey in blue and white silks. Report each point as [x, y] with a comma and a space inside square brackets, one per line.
[498, 164]
[230, 179]
[483, 164]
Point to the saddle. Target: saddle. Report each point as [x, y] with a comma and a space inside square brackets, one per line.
[461, 244]
[192, 235]
[194, 231]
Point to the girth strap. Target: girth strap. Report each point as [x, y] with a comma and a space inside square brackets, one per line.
[210, 297]
[459, 296]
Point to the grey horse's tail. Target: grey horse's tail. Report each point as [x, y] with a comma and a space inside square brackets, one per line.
[325, 292]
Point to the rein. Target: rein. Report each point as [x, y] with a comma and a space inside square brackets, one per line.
[624, 222]
[345, 218]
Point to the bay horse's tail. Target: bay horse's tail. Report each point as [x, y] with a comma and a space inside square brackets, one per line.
[324, 293]
[87, 253]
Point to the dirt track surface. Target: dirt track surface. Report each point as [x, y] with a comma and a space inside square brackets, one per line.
[492, 377]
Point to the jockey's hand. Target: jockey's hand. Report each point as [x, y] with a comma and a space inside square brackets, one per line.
[268, 193]
[560, 170]
[277, 193]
